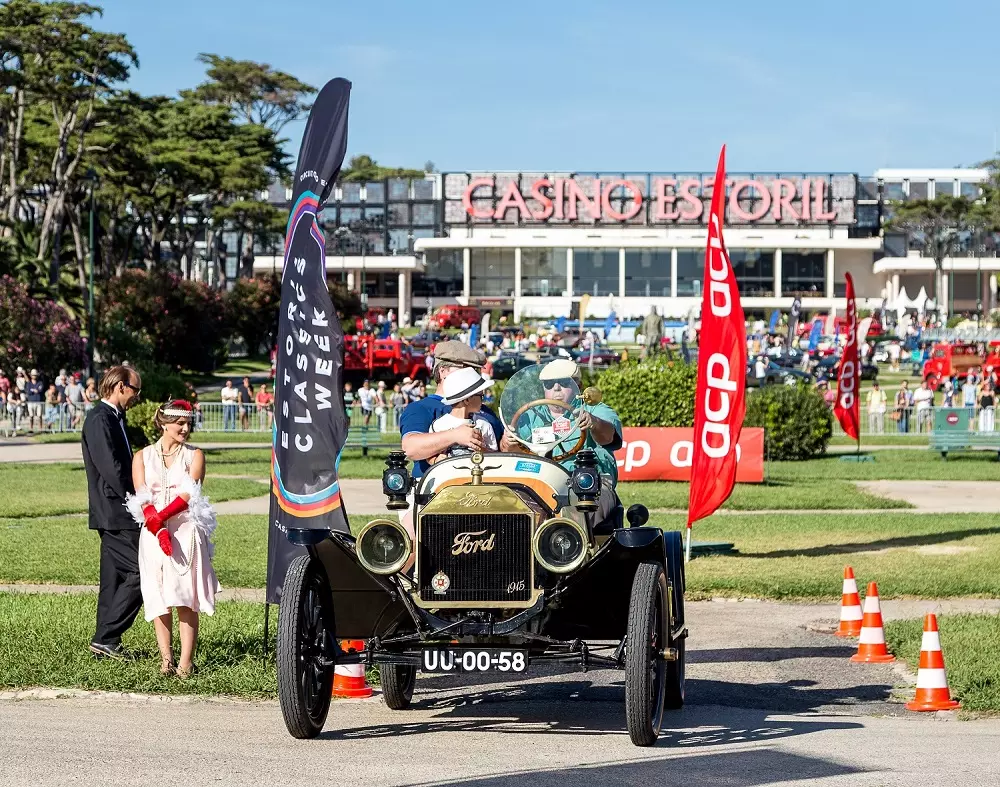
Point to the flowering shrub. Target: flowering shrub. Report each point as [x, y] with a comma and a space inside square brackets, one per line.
[146, 317]
[252, 306]
[36, 334]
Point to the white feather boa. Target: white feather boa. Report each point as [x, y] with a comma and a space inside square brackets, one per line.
[199, 508]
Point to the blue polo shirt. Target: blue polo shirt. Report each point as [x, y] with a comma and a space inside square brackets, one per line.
[419, 415]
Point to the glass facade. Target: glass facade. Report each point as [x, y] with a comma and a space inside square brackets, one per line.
[647, 272]
[543, 272]
[444, 275]
[754, 269]
[491, 272]
[690, 271]
[803, 274]
[595, 272]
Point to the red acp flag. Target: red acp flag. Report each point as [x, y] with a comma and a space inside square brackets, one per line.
[722, 360]
[848, 406]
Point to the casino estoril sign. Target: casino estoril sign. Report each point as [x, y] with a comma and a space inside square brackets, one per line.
[523, 199]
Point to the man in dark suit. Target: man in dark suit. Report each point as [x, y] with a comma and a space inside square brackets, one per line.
[108, 459]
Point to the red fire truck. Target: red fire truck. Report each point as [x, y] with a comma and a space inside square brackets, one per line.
[958, 358]
[366, 357]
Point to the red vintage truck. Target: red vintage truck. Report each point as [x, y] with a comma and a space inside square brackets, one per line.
[958, 358]
[366, 357]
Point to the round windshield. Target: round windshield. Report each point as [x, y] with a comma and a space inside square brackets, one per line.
[541, 424]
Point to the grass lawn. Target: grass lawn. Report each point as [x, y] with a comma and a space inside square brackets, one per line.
[803, 556]
[780, 556]
[970, 644]
[48, 489]
[43, 642]
[891, 466]
[776, 494]
[256, 462]
[63, 551]
[914, 440]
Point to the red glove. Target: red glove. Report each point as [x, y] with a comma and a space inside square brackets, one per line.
[173, 508]
[163, 536]
[154, 522]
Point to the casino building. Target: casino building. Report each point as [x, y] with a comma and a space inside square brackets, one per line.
[533, 243]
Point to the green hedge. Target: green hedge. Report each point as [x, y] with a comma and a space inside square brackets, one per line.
[797, 422]
[654, 393]
[141, 429]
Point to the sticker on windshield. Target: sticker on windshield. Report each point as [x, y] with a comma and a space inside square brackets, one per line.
[543, 434]
[523, 466]
[562, 425]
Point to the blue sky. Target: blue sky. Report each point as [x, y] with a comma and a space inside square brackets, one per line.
[640, 86]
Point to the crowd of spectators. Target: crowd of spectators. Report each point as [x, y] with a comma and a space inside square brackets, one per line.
[30, 404]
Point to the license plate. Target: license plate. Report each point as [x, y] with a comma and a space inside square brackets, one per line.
[468, 660]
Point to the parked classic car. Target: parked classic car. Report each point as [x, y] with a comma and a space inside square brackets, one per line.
[508, 570]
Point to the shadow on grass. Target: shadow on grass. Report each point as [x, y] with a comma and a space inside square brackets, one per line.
[875, 546]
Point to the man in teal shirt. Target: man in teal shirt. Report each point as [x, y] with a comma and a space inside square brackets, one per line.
[560, 380]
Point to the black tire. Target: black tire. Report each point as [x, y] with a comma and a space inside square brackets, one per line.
[645, 675]
[674, 691]
[397, 684]
[306, 637]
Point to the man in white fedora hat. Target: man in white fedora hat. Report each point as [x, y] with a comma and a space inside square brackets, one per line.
[464, 390]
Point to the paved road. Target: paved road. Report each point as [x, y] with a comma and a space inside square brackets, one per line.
[770, 701]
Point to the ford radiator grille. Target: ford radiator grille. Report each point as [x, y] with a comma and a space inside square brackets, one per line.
[475, 557]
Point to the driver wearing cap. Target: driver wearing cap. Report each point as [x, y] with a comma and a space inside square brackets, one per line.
[561, 382]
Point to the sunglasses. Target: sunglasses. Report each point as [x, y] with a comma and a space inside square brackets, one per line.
[565, 382]
[129, 385]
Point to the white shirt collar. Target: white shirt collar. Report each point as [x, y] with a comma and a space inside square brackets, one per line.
[113, 407]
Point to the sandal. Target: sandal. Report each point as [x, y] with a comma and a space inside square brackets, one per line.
[167, 667]
[184, 674]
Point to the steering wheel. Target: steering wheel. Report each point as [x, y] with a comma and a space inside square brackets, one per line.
[584, 433]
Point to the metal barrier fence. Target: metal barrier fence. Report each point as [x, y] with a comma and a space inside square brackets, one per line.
[915, 422]
[219, 417]
[210, 417]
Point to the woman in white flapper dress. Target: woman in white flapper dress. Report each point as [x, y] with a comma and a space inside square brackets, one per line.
[175, 548]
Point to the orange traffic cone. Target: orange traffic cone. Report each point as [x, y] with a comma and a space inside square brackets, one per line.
[850, 607]
[871, 641]
[349, 679]
[932, 685]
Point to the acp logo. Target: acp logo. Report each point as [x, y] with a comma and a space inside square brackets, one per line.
[638, 454]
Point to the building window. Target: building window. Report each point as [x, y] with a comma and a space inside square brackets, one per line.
[918, 189]
[970, 190]
[754, 271]
[690, 270]
[492, 272]
[595, 271]
[803, 274]
[543, 272]
[647, 272]
[893, 191]
[443, 276]
[944, 188]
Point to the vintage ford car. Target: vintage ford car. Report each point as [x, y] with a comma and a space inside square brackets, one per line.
[508, 570]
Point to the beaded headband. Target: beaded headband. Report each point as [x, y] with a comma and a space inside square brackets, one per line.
[178, 408]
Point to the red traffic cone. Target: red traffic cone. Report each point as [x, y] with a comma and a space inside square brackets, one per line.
[349, 679]
[932, 684]
[871, 641]
[850, 607]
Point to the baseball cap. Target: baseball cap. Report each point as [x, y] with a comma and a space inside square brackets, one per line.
[457, 354]
[407, 380]
[463, 383]
[34, 373]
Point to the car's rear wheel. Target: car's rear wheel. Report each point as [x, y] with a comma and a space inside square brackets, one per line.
[306, 636]
[645, 669]
[398, 681]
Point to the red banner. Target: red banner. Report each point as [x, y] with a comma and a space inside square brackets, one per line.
[659, 453]
[722, 359]
[848, 406]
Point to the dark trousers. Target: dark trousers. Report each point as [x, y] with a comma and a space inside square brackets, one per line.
[120, 596]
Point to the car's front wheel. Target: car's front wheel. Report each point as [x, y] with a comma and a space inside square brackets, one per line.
[398, 681]
[305, 638]
[645, 670]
